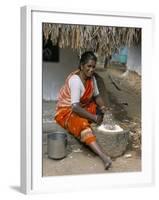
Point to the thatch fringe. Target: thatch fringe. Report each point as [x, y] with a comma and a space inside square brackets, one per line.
[101, 39]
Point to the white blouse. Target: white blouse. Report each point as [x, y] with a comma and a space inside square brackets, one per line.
[77, 88]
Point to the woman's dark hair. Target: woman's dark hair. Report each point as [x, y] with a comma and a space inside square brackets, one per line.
[86, 56]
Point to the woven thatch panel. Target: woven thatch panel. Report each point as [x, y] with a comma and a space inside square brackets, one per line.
[100, 39]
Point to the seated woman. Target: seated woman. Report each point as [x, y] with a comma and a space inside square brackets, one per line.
[77, 105]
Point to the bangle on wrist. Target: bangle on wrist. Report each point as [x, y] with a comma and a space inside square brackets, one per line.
[96, 117]
[102, 107]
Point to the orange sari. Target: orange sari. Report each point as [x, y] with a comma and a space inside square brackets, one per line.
[72, 122]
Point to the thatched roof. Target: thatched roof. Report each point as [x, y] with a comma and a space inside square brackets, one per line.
[101, 39]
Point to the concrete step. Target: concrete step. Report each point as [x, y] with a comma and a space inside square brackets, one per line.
[72, 144]
[113, 143]
[49, 128]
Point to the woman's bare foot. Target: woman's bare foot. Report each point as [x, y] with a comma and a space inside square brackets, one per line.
[107, 162]
[106, 159]
[108, 165]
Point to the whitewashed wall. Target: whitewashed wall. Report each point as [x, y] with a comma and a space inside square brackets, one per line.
[134, 59]
[54, 73]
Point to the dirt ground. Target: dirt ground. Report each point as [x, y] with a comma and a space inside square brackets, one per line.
[83, 161]
[79, 159]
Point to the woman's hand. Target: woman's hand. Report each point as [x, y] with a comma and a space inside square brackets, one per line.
[84, 113]
[99, 119]
[104, 109]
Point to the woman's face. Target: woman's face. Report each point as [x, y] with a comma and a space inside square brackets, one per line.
[88, 68]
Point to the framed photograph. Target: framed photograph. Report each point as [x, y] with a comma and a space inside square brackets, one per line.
[57, 157]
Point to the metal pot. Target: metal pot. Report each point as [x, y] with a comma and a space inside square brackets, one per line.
[57, 143]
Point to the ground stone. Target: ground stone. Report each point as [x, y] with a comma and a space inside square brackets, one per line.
[113, 143]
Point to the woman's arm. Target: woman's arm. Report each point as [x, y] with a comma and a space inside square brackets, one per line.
[75, 87]
[99, 101]
[83, 113]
